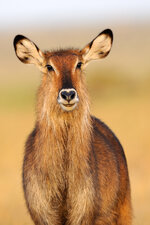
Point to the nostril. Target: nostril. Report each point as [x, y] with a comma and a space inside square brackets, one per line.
[64, 95]
[68, 95]
[72, 94]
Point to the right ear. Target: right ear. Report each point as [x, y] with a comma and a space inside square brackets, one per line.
[27, 51]
[99, 47]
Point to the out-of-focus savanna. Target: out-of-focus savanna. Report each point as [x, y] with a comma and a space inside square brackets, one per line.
[119, 89]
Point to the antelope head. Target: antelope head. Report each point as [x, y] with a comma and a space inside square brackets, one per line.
[63, 70]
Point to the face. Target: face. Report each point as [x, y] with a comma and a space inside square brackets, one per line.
[64, 69]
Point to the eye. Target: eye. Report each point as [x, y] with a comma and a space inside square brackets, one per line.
[50, 68]
[79, 65]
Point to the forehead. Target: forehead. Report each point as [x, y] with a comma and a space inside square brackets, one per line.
[61, 57]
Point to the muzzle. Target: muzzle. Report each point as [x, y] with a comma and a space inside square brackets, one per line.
[68, 99]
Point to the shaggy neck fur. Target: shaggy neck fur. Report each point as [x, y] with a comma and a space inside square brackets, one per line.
[65, 139]
[66, 135]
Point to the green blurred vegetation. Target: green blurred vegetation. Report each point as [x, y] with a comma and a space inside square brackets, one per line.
[18, 98]
[110, 84]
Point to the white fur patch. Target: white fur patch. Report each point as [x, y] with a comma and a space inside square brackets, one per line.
[65, 105]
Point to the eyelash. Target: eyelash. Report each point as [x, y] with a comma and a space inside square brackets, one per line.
[50, 68]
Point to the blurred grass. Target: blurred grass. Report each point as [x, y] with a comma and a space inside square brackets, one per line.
[20, 98]
[118, 97]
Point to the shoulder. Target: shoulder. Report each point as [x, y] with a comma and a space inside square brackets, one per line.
[31, 139]
[101, 129]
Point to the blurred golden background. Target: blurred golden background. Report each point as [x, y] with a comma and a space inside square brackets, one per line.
[119, 87]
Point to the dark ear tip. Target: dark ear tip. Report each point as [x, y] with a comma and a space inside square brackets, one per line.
[108, 32]
[18, 38]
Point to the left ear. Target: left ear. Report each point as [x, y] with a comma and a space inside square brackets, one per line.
[99, 47]
[28, 52]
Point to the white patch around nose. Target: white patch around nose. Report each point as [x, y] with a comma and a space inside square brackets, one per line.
[65, 104]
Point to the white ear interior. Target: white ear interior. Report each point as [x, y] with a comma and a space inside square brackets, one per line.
[102, 44]
[98, 48]
[27, 52]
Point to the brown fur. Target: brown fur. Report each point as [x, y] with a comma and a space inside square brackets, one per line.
[74, 171]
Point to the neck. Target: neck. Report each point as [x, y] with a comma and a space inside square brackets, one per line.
[64, 136]
[70, 131]
[63, 129]
[62, 150]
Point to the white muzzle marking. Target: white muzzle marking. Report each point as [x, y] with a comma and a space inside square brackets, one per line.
[68, 99]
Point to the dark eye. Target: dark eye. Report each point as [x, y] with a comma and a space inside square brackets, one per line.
[79, 65]
[50, 68]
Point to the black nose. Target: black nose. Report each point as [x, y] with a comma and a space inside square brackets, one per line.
[68, 95]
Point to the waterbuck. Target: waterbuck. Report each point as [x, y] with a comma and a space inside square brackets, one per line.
[74, 170]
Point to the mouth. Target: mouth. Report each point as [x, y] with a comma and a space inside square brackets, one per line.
[68, 107]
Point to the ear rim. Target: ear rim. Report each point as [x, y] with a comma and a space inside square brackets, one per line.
[18, 38]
